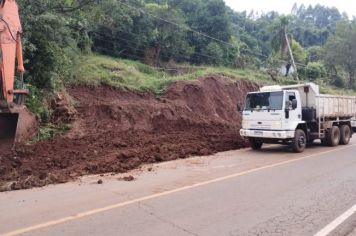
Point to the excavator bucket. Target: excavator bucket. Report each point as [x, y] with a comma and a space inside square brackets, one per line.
[8, 127]
[16, 127]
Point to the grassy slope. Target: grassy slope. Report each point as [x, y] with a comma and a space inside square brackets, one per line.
[95, 69]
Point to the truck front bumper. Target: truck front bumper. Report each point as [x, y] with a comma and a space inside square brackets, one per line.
[270, 134]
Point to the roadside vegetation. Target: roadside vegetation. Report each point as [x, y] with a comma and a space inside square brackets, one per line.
[134, 75]
[95, 70]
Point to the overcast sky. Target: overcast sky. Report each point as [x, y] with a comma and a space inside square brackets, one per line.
[285, 6]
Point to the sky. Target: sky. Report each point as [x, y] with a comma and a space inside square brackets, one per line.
[285, 6]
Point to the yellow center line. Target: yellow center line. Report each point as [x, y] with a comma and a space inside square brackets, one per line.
[165, 193]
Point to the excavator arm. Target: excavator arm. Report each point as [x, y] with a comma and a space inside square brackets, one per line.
[16, 123]
[11, 48]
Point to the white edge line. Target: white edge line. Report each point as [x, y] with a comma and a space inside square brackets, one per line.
[149, 197]
[338, 221]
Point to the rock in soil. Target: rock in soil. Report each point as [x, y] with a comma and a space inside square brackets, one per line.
[127, 178]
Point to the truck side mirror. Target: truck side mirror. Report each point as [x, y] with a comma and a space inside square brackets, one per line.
[294, 104]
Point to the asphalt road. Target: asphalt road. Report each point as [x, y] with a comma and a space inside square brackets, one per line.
[270, 192]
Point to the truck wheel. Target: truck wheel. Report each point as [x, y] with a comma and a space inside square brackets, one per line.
[345, 134]
[299, 141]
[255, 145]
[333, 136]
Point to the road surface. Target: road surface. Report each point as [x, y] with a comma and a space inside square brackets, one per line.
[269, 192]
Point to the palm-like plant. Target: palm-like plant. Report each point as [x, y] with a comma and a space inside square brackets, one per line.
[279, 31]
[281, 40]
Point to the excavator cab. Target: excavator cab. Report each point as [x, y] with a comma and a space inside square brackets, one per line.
[16, 122]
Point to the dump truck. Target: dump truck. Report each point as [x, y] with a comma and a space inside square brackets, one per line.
[16, 122]
[296, 115]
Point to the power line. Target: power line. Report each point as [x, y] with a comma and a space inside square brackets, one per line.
[199, 33]
[148, 45]
[176, 24]
[101, 38]
[154, 68]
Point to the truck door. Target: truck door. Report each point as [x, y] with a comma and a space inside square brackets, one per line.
[294, 113]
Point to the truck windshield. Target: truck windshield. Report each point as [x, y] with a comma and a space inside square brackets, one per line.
[264, 101]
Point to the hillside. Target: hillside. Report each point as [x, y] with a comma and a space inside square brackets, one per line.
[119, 114]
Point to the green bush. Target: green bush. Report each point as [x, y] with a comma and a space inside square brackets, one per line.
[315, 70]
[339, 82]
[36, 103]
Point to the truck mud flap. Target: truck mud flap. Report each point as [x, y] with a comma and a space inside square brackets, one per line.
[8, 127]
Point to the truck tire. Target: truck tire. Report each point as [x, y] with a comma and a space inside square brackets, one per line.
[333, 136]
[345, 134]
[255, 145]
[299, 141]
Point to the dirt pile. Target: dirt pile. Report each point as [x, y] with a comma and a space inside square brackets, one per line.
[116, 130]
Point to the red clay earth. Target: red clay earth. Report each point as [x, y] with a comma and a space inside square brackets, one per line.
[116, 131]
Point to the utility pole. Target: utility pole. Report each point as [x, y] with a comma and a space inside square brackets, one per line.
[291, 53]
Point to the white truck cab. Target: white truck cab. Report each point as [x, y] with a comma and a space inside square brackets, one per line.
[296, 115]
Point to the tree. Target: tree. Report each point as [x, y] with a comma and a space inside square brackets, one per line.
[315, 53]
[215, 52]
[282, 41]
[340, 49]
[313, 25]
[299, 52]
[52, 39]
[209, 17]
[169, 40]
[279, 31]
[315, 70]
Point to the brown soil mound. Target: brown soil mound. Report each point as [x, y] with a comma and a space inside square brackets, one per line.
[117, 130]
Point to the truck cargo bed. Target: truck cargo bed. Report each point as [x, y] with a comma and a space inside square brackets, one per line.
[331, 106]
[326, 106]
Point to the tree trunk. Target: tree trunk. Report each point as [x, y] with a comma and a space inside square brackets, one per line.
[158, 54]
[291, 54]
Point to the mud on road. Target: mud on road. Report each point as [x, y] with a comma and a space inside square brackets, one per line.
[117, 130]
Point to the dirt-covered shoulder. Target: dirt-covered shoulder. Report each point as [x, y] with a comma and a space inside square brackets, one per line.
[117, 130]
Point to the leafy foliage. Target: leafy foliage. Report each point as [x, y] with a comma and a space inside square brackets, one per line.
[341, 50]
[315, 70]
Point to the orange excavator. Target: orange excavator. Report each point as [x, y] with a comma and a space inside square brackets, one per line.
[16, 122]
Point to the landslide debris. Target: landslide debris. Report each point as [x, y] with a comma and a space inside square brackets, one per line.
[117, 130]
